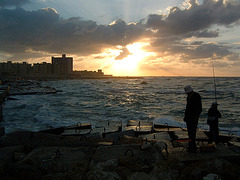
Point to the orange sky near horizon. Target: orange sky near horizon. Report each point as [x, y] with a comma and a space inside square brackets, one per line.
[141, 63]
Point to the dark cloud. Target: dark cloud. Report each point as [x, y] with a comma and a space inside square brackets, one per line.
[125, 53]
[15, 3]
[197, 17]
[195, 21]
[197, 43]
[204, 51]
[45, 31]
[205, 34]
[234, 57]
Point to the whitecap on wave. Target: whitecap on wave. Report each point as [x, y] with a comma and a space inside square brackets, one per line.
[169, 121]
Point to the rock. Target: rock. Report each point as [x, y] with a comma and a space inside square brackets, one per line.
[18, 138]
[131, 140]
[36, 139]
[50, 162]
[2, 129]
[98, 174]
[7, 156]
[141, 175]
[201, 168]
[18, 156]
[146, 145]
[117, 135]
[164, 170]
[57, 176]
[27, 171]
[124, 159]
[211, 177]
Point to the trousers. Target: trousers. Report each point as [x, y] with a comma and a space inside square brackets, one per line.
[192, 131]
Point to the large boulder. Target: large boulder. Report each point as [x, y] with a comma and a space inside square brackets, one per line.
[53, 162]
[200, 169]
[7, 157]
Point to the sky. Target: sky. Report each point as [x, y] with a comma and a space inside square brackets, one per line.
[125, 37]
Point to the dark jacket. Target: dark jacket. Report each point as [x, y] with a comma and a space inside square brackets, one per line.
[213, 115]
[193, 107]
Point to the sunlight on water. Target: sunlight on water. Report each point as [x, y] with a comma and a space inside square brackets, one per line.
[159, 99]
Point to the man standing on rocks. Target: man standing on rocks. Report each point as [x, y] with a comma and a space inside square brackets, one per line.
[192, 113]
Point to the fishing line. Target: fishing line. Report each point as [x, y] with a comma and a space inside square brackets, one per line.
[214, 81]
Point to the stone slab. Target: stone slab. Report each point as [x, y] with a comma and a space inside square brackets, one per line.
[184, 135]
[165, 126]
[166, 129]
[75, 132]
[101, 131]
[141, 129]
[137, 123]
[80, 126]
[157, 136]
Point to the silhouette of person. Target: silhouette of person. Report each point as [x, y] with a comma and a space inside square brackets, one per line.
[191, 116]
[212, 121]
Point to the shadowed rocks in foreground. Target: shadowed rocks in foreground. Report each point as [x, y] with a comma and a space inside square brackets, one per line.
[37, 155]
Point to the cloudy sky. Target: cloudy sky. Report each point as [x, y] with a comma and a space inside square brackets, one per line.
[125, 37]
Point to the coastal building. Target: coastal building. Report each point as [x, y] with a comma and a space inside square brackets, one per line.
[62, 65]
[42, 68]
[11, 69]
[58, 67]
[86, 73]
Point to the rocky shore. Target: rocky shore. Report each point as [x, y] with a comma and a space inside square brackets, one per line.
[136, 150]
[127, 154]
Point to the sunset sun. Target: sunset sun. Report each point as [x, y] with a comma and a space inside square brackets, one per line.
[129, 64]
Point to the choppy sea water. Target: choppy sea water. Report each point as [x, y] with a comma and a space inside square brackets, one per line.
[158, 99]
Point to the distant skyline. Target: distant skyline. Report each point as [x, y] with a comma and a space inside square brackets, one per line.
[125, 37]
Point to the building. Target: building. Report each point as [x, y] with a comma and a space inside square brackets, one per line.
[62, 65]
[59, 66]
[42, 68]
[11, 69]
[86, 73]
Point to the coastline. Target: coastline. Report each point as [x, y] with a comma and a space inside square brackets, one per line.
[106, 153]
[128, 154]
[63, 77]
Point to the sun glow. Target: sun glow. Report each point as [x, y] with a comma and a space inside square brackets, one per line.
[129, 65]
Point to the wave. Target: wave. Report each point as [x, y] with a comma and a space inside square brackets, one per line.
[161, 100]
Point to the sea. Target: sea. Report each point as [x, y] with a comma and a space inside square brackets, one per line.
[160, 100]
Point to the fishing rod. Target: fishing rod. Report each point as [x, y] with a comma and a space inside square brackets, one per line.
[214, 81]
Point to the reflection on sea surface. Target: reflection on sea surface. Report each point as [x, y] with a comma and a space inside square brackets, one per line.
[120, 100]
